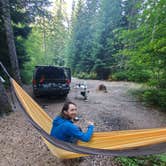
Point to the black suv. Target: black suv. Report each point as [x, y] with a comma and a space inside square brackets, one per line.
[51, 80]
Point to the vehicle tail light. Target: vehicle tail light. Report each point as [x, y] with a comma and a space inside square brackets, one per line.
[42, 80]
[34, 82]
[68, 82]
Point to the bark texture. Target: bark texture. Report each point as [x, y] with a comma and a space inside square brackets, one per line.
[5, 107]
[10, 39]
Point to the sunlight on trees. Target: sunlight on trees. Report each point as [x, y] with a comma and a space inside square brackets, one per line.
[100, 39]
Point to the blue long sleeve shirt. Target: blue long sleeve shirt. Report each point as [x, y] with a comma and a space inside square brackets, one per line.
[66, 130]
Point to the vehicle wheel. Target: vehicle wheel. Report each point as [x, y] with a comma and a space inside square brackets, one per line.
[36, 94]
[64, 96]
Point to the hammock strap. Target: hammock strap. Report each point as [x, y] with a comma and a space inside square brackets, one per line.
[4, 69]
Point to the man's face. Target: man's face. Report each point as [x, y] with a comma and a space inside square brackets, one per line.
[72, 111]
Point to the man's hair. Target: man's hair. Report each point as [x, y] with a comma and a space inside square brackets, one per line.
[65, 108]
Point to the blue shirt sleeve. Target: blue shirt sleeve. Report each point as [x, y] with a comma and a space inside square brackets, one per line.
[76, 133]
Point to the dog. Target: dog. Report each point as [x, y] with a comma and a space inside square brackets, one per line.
[82, 88]
[103, 88]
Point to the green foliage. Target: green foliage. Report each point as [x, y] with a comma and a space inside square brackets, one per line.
[120, 76]
[82, 45]
[162, 157]
[153, 160]
[23, 13]
[56, 35]
[145, 45]
[121, 40]
[155, 97]
[35, 53]
[83, 75]
[132, 75]
[152, 96]
[138, 76]
[46, 44]
[93, 42]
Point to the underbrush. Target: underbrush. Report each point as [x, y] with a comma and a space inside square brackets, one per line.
[152, 96]
[139, 76]
[83, 75]
[151, 160]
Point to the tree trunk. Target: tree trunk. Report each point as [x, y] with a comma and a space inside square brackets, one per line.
[10, 39]
[5, 107]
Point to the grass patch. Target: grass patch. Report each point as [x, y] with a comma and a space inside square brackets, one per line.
[151, 160]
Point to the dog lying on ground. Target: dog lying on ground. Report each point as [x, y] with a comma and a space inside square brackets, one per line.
[103, 88]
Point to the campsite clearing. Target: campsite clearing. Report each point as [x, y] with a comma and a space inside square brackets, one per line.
[21, 144]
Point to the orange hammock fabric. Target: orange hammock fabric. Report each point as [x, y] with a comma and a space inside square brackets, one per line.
[117, 141]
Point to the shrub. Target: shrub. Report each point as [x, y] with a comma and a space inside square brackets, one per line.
[152, 96]
[131, 75]
[155, 97]
[84, 75]
[138, 76]
[120, 76]
[81, 75]
[153, 160]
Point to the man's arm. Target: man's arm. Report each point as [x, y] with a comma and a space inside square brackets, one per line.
[75, 132]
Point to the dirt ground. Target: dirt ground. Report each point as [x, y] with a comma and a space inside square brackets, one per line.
[21, 144]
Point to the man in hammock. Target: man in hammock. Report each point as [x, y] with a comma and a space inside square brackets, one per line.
[64, 128]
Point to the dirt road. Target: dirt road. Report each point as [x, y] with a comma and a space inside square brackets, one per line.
[21, 145]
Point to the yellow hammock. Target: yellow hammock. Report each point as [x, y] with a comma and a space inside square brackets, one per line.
[125, 143]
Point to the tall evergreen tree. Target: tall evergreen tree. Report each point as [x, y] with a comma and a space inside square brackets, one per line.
[110, 17]
[82, 36]
[10, 39]
[145, 44]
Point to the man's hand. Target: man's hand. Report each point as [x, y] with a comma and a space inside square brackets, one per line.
[90, 123]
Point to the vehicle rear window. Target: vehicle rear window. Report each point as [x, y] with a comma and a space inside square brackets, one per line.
[50, 73]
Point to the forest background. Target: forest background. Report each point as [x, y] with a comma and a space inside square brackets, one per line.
[100, 39]
[109, 40]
